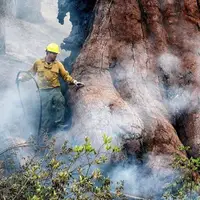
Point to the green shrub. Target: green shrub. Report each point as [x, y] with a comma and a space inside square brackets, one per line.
[70, 173]
[186, 185]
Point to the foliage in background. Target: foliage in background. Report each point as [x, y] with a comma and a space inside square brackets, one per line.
[186, 186]
[70, 173]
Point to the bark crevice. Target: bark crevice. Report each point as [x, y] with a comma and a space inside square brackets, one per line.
[198, 4]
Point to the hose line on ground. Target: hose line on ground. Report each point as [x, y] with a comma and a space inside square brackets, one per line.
[18, 88]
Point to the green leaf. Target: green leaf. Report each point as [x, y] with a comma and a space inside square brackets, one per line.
[107, 139]
[108, 147]
[78, 149]
[116, 149]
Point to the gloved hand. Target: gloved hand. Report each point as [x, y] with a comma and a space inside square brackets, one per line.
[78, 84]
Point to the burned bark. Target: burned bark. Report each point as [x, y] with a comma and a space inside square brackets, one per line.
[81, 17]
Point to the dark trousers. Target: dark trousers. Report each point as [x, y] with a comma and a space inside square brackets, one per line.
[53, 109]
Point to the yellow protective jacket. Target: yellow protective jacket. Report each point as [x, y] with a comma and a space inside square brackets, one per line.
[47, 75]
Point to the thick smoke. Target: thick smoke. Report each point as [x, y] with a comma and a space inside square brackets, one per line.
[141, 181]
[177, 89]
[167, 99]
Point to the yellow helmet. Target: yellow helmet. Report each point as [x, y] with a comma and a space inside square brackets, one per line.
[53, 47]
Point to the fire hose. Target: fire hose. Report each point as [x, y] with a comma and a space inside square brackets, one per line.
[18, 88]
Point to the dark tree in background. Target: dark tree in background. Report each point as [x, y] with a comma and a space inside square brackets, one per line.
[81, 17]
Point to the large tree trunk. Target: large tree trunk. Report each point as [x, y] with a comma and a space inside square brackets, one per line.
[139, 66]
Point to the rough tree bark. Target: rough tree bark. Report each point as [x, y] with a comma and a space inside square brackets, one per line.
[140, 65]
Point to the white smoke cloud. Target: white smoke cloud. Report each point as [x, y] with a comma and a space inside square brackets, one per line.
[142, 182]
[178, 94]
[170, 64]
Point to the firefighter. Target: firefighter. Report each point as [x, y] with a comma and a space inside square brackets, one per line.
[47, 72]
